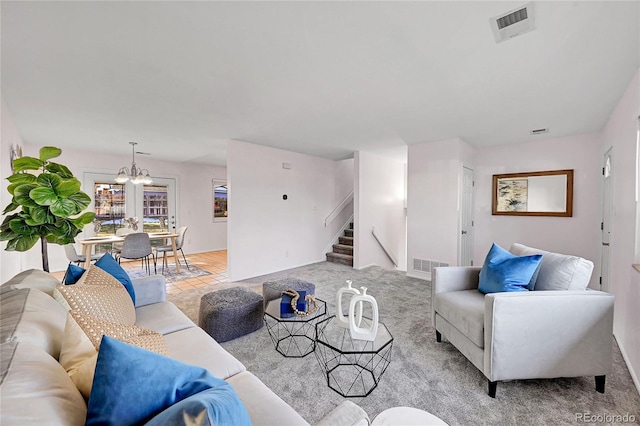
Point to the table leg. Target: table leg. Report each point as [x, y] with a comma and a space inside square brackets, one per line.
[87, 255]
[175, 254]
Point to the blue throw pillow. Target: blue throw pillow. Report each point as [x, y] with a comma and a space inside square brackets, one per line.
[73, 274]
[503, 271]
[108, 264]
[132, 385]
[218, 406]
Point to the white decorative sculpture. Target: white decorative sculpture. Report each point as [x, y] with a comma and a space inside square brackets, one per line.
[341, 319]
[355, 316]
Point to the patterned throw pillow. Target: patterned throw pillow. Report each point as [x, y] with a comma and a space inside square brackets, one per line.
[94, 328]
[107, 302]
[108, 264]
[82, 336]
[98, 276]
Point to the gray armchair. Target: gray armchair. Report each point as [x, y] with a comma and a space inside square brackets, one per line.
[525, 335]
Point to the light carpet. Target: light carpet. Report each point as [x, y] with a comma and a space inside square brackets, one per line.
[170, 273]
[424, 374]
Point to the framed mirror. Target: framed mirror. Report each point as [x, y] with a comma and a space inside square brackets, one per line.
[547, 193]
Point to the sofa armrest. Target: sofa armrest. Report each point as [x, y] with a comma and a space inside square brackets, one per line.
[547, 334]
[452, 278]
[150, 289]
[346, 414]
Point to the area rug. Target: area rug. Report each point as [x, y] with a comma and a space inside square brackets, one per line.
[170, 273]
[424, 374]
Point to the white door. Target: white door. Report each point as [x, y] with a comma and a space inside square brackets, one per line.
[605, 226]
[156, 205]
[466, 219]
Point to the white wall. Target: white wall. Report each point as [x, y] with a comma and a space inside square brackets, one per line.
[10, 262]
[433, 202]
[194, 203]
[578, 235]
[267, 233]
[379, 200]
[621, 133]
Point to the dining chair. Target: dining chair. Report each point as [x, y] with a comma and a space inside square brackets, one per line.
[78, 259]
[74, 257]
[167, 248]
[116, 248]
[138, 246]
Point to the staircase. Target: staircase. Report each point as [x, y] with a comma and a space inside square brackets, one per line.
[343, 251]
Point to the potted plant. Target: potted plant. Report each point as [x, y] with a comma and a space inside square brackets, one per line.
[49, 202]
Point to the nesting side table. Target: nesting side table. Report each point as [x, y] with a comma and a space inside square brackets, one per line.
[353, 367]
[293, 337]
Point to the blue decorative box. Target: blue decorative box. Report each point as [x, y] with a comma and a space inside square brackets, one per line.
[285, 305]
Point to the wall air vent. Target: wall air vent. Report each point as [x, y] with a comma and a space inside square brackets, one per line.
[426, 266]
[513, 23]
[539, 131]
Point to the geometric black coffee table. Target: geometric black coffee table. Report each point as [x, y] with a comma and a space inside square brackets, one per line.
[353, 367]
[293, 337]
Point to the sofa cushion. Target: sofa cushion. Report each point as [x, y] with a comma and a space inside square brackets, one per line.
[31, 316]
[465, 311]
[107, 302]
[159, 382]
[108, 264]
[503, 271]
[194, 346]
[558, 271]
[35, 389]
[82, 337]
[263, 405]
[33, 278]
[163, 317]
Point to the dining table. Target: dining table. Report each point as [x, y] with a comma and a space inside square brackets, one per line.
[88, 243]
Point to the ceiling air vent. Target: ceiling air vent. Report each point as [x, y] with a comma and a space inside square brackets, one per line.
[538, 131]
[513, 23]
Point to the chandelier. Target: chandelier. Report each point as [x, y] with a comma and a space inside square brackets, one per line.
[135, 175]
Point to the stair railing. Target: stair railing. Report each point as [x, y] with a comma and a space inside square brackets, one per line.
[338, 209]
[384, 249]
[337, 236]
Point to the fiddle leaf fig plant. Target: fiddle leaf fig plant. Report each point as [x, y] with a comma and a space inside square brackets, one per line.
[49, 204]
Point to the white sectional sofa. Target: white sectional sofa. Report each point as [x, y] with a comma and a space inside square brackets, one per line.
[35, 389]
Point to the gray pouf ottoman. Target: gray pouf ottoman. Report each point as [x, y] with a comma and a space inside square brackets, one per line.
[231, 313]
[272, 290]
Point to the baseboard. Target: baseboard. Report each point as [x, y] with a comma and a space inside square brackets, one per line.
[634, 376]
[366, 266]
[424, 276]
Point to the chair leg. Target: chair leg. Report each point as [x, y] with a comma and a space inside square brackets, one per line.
[155, 268]
[600, 383]
[185, 259]
[164, 260]
[492, 388]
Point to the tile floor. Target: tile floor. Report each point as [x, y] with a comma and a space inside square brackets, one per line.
[213, 261]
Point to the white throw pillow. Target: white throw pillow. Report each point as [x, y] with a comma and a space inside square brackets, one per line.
[558, 271]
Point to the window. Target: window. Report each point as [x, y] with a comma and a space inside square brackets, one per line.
[155, 209]
[109, 206]
[220, 206]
